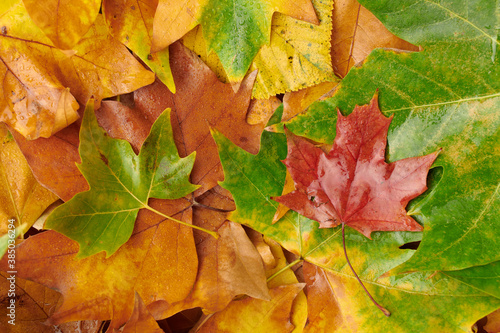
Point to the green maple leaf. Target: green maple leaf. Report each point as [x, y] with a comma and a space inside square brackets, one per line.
[121, 182]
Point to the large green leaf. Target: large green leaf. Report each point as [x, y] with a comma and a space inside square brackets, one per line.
[485, 278]
[450, 305]
[446, 96]
[121, 182]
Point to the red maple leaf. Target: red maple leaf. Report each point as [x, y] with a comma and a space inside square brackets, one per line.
[353, 184]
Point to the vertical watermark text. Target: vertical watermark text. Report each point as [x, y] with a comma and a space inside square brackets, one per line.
[11, 264]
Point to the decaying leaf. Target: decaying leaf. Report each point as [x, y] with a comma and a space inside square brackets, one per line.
[234, 30]
[121, 182]
[353, 184]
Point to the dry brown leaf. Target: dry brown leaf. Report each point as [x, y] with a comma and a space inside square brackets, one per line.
[228, 267]
[493, 324]
[34, 303]
[355, 33]
[141, 320]
[323, 310]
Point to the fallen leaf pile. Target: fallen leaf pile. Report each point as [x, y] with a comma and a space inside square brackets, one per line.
[189, 166]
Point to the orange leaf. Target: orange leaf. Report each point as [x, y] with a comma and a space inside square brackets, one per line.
[36, 99]
[323, 310]
[254, 315]
[159, 262]
[141, 320]
[63, 21]
[355, 33]
[228, 267]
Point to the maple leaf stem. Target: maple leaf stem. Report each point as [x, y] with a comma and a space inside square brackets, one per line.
[384, 310]
[212, 233]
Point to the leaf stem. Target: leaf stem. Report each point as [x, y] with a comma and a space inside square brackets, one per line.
[284, 269]
[212, 233]
[384, 310]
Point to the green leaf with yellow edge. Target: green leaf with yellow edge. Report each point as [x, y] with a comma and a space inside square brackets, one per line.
[121, 182]
[441, 97]
[234, 30]
[22, 198]
[63, 22]
[298, 55]
[252, 180]
[132, 24]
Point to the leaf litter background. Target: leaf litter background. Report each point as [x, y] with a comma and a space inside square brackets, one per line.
[442, 89]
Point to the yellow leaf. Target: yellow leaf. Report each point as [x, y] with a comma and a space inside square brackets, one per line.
[254, 315]
[33, 99]
[22, 198]
[63, 21]
[131, 22]
[298, 55]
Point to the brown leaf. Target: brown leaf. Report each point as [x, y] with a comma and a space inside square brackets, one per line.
[33, 304]
[228, 267]
[200, 103]
[355, 33]
[159, 262]
[353, 184]
[141, 320]
[323, 310]
[254, 315]
[493, 324]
